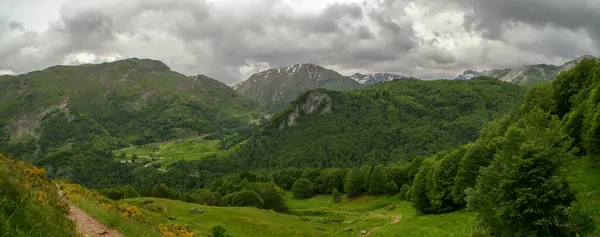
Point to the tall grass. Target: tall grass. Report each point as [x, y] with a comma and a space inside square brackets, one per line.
[29, 204]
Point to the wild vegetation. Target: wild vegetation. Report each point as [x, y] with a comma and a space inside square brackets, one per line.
[29, 205]
[408, 157]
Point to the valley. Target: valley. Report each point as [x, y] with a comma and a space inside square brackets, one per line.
[299, 151]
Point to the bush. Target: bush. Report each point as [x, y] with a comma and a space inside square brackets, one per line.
[247, 198]
[219, 231]
[391, 188]
[302, 188]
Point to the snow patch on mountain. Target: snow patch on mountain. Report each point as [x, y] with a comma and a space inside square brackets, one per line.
[369, 79]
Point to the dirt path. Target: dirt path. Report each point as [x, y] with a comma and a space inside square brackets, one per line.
[87, 226]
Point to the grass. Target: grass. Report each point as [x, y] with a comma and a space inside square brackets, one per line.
[317, 216]
[166, 153]
[584, 180]
[239, 221]
[29, 205]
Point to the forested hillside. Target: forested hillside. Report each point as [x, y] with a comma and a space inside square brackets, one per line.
[388, 122]
[523, 176]
[110, 105]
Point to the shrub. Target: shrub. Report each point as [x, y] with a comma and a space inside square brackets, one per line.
[302, 188]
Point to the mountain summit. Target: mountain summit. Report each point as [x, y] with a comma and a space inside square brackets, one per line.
[282, 85]
[525, 75]
[370, 79]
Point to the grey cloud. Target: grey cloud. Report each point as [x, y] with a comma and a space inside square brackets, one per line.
[196, 36]
[15, 26]
[493, 17]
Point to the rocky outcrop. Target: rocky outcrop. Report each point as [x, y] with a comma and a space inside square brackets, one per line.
[315, 102]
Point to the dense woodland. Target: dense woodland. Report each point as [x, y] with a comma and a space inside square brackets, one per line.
[430, 142]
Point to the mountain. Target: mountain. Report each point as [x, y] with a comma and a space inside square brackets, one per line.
[385, 122]
[282, 85]
[524, 75]
[370, 79]
[110, 105]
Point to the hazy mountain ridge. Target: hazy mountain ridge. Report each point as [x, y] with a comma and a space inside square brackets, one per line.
[370, 79]
[529, 74]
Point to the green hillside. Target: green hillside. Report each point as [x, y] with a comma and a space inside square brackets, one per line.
[110, 105]
[394, 121]
[29, 205]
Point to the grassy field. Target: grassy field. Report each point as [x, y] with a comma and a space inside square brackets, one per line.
[584, 179]
[318, 216]
[166, 153]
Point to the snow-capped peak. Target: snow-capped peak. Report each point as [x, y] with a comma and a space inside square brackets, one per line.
[368, 79]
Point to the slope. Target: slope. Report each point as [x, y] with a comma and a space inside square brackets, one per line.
[276, 87]
[111, 105]
[29, 206]
[386, 122]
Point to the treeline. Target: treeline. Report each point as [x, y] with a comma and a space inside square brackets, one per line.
[512, 176]
[385, 123]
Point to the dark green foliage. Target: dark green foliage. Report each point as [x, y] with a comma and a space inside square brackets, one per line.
[354, 183]
[272, 199]
[302, 188]
[419, 192]
[202, 196]
[391, 188]
[329, 180]
[246, 198]
[162, 191]
[219, 231]
[521, 193]
[127, 191]
[477, 155]
[377, 181]
[337, 196]
[405, 192]
[384, 123]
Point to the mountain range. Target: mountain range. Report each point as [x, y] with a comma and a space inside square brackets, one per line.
[525, 75]
[279, 86]
[374, 78]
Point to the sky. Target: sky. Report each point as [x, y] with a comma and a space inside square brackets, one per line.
[231, 39]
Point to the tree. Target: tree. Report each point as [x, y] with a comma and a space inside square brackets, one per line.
[354, 183]
[419, 190]
[272, 199]
[162, 191]
[246, 198]
[302, 188]
[337, 196]
[377, 181]
[134, 158]
[521, 192]
[391, 188]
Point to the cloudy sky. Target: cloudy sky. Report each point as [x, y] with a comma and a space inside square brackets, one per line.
[231, 39]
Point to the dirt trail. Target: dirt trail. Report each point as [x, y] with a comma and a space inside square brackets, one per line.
[87, 226]
[396, 220]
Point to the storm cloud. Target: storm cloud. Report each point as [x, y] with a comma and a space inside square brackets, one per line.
[229, 40]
